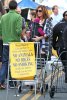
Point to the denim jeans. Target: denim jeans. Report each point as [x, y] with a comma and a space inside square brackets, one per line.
[1, 49]
[4, 68]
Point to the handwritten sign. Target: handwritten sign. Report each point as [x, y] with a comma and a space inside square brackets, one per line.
[22, 60]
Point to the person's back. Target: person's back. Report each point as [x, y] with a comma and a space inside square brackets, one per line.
[11, 28]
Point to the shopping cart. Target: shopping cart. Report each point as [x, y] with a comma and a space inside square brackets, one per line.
[58, 74]
[38, 78]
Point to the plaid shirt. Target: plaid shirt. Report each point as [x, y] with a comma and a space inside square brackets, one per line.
[48, 42]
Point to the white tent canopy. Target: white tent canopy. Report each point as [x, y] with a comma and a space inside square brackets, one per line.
[51, 3]
[62, 4]
[18, 1]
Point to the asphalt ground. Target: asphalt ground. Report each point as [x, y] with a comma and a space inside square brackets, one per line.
[27, 94]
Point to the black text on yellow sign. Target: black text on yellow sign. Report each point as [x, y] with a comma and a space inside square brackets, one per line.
[22, 60]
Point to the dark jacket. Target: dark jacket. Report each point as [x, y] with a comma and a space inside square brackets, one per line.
[58, 31]
[65, 37]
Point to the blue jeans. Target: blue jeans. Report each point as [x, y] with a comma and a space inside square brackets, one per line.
[4, 68]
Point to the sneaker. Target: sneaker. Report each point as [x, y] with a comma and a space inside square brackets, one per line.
[63, 69]
[31, 87]
[2, 86]
[65, 81]
[12, 84]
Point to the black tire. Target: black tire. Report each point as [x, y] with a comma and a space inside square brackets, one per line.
[46, 87]
[41, 90]
[31, 87]
[51, 94]
[19, 89]
[52, 91]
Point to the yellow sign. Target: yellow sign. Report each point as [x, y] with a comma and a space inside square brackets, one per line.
[22, 60]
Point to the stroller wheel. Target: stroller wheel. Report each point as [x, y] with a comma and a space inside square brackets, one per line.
[19, 89]
[41, 90]
[52, 92]
[31, 87]
[46, 87]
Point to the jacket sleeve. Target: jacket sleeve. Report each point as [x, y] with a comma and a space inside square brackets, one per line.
[55, 36]
[19, 25]
[48, 29]
[65, 37]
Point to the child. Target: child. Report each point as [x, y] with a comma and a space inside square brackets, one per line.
[39, 27]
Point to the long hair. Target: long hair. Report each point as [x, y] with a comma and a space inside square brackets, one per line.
[44, 11]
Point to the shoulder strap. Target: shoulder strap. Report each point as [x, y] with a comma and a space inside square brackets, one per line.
[44, 23]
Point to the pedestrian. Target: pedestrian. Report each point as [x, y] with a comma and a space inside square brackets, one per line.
[23, 36]
[11, 29]
[58, 40]
[1, 42]
[56, 15]
[44, 30]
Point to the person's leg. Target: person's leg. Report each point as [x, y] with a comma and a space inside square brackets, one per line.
[65, 65]
[64, 62]
[4, 68]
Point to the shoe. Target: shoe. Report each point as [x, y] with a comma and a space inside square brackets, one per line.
[12, 84]
[65, 81]
[63, 70]
[66, 77]
[42, 52]
[31, 87]
[2, 86]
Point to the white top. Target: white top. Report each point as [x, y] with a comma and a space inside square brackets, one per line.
[56, 18]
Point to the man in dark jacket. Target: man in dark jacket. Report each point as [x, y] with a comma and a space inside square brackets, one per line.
[65, 47]
[58, 40]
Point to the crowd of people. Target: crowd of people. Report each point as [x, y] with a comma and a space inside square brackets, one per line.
[44, 28]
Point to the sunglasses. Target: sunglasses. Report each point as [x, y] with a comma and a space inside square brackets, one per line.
[38, 10]
[65, 14]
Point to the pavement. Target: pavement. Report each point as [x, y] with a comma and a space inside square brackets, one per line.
[30, 96]
[27, 94]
